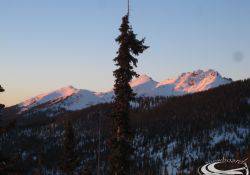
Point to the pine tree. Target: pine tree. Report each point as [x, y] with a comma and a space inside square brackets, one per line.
[121, 150]
[1, 105]
[6, 163]
[2, 159]
[70, 159]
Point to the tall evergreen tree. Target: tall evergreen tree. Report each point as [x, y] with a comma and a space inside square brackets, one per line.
[6, 163]
[2, 159]
[70, 158]
[121, 150]
[1, 105]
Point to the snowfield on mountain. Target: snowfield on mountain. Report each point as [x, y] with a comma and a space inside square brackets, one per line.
[72, 99]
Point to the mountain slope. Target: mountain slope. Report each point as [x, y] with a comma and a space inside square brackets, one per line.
[191, 82]
[180, 135]
[72, 99]
[58, 95]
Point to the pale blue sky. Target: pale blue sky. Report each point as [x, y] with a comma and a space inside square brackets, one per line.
[48, 44]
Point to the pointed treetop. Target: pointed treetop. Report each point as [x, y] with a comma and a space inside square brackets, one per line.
[128, 7]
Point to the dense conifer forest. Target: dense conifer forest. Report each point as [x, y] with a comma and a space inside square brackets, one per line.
[173, 135]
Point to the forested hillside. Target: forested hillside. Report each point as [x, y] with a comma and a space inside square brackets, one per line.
[173, 135]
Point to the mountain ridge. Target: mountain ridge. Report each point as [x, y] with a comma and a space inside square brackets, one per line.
[72, 99]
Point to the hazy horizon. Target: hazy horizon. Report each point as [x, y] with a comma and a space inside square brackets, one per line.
[47, 45]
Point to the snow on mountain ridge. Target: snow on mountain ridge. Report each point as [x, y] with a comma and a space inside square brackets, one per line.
[195, 81]
[46, 97]
[167, 81]
[82, 99]
[142, 79]
[73, 99]
[143, 85]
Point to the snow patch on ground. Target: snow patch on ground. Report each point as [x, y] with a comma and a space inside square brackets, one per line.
[234, 138]
[248, 101]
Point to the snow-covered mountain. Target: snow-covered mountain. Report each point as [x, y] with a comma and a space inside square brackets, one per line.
[72, 99]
